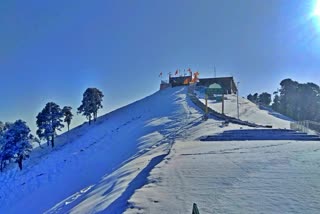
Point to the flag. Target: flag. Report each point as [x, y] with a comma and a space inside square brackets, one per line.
[177, 72]
[160, 75]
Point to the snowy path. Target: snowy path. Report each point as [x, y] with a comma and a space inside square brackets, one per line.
[234, 177]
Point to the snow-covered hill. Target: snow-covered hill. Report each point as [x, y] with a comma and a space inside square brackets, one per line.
[97, 163]
[147, 158]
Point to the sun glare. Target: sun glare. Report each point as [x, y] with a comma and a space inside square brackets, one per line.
[316, 9]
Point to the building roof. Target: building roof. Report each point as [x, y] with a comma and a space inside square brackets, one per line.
[227, 83]
[175, 81]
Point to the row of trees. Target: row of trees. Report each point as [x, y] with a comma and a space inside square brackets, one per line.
[299, 101]
[16, 140]
[262, 99]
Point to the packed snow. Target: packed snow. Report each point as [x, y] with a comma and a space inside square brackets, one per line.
[147, 157]
[233, 177]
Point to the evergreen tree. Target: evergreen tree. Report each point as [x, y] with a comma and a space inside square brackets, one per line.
[2, 126]
[308, 99]
[16, 143]
[2, 142]
[48, 121]
[288, 98]
[265, 99]
[276, 102]
[298, 101]
[4, 158]
[67, 115]
[255, 98]
[91, 103]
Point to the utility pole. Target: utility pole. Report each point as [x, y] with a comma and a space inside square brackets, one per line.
[238, 99]
[215, 73]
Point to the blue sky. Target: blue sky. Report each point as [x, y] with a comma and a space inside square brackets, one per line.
[54, 50]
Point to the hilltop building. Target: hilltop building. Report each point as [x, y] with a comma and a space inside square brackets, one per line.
[179, 81]
[227, 83]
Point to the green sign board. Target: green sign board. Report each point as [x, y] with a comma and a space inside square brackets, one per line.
[214, 89]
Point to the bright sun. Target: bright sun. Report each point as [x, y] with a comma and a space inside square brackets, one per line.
[316, 9]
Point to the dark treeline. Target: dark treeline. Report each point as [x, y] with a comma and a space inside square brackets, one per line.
[299, 101]
[16, 140]
[262, 99]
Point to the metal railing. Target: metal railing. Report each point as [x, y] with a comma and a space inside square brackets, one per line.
[306, 126]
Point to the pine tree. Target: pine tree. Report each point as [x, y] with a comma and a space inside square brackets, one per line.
[264, 99]
[91, 103]
[16, 143]
[288, 98]
[48, 121]
[2, 126]
[298, 101]
[67, 115]
[255, 98]
[2, 142]
[3, 156]
[276, 102]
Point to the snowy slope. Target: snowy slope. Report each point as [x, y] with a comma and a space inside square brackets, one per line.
[233, 177]
[249, 111]
[100, 162]
[147, 158]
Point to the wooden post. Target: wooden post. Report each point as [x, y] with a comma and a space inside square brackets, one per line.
[206, 104]
[222, 111]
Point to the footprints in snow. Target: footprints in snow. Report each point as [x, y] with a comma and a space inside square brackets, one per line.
[126, 123]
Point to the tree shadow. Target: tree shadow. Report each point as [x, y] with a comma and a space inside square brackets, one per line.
[121, 203]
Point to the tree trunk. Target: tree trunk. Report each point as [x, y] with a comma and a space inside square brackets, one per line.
[20, 162]
[68, 127]
[95, 116]
[52, 141]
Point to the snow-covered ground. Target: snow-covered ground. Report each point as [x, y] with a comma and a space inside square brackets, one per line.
[147, 158]
[233, 177]
[249, 111]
